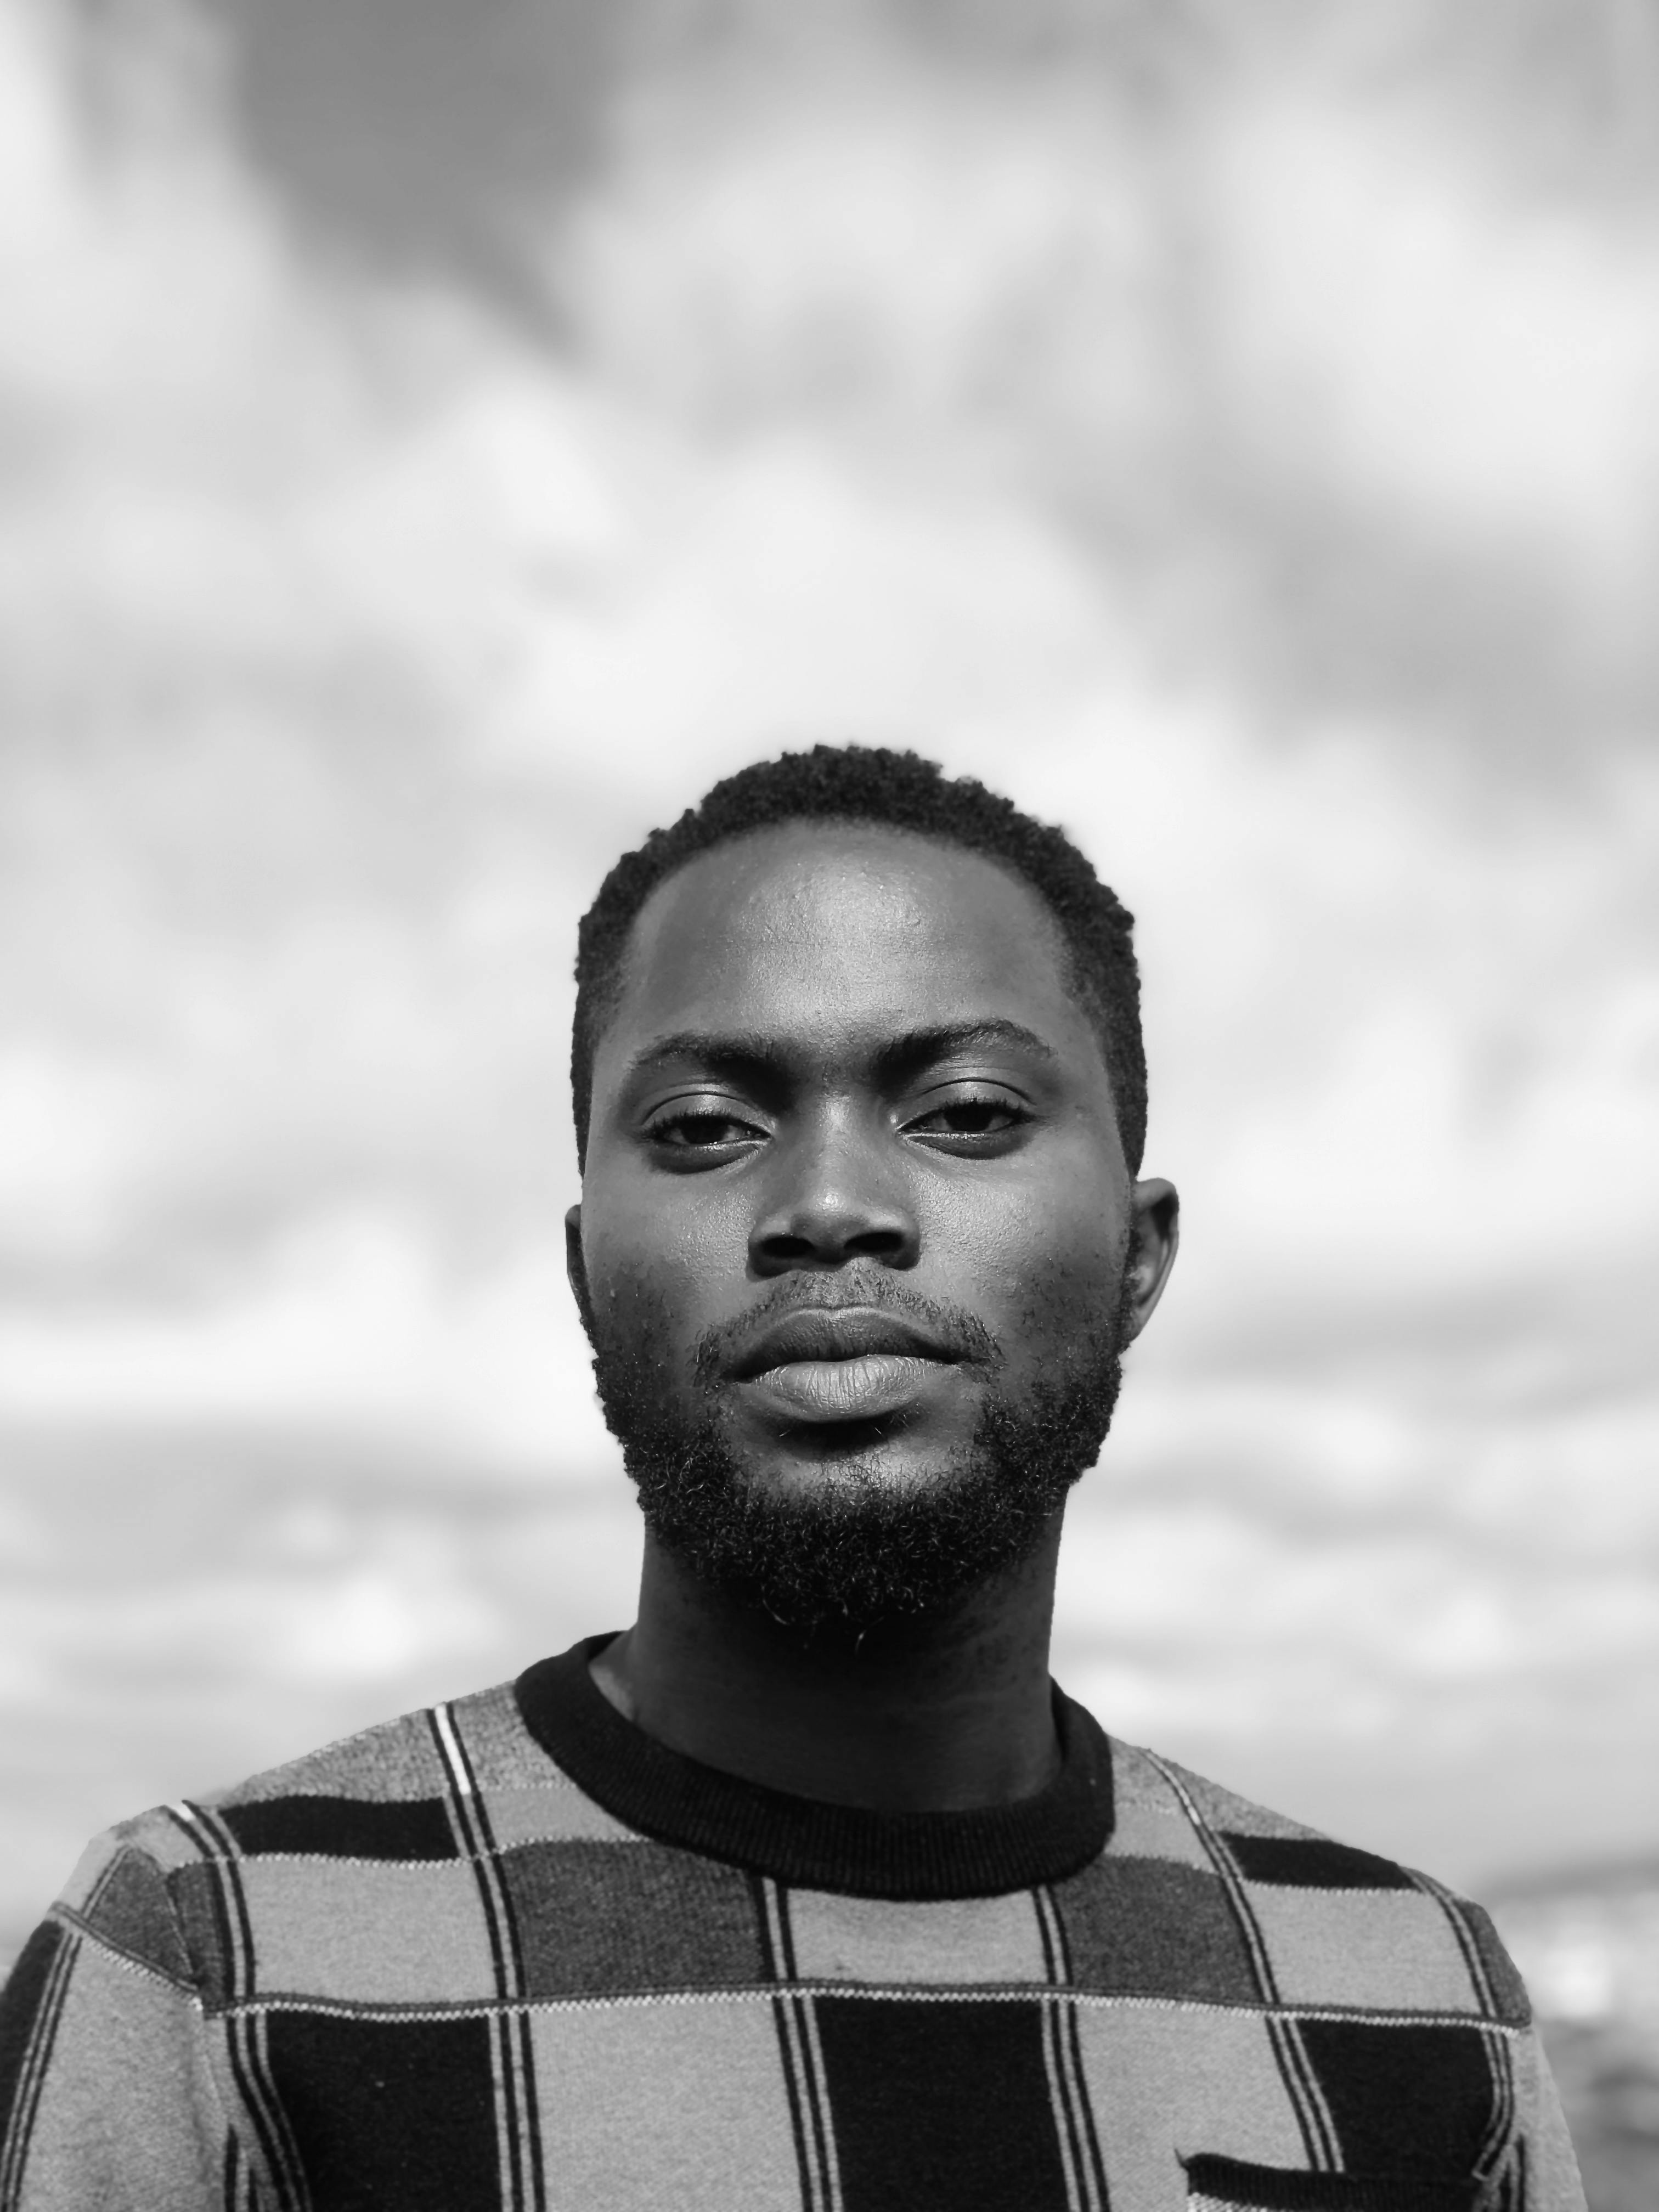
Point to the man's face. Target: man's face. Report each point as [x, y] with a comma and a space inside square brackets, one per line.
[858, 1246]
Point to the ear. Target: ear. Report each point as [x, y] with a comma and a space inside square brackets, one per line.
[575, 1266]
[1154, 1239]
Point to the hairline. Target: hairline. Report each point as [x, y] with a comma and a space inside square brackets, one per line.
[1073, 973]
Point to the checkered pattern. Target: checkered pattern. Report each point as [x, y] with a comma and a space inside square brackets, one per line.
[423, 1970]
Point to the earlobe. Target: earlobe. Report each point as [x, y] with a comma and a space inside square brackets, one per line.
[1157, 1238]
[575, 1267]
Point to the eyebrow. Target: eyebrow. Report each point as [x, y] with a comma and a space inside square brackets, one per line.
[917, 1048]
[739, 1052]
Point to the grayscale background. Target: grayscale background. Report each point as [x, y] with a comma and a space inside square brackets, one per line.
[438, 436]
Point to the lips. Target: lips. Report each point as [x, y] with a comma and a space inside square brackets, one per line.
[847, 1332]
[872, 1388]
[851, 1363]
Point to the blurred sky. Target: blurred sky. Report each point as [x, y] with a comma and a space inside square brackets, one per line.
[437, 439]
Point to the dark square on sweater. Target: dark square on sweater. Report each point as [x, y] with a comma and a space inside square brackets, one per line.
[596, 1919]
[344, 1827]
[940, 2108]
[23, 2016]
[1232, 2181]
[1509, 1992]
[199, 1901]
[132, 1911]
[389, 2112]
[1404, 2099]
[1311, 1863]
[1152, 1928]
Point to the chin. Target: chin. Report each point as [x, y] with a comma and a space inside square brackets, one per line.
[858, 1539]
[862, 1456]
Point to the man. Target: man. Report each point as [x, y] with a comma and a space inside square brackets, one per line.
[809, 1890]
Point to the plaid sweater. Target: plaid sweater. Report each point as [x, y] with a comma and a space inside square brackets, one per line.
[513, 1952]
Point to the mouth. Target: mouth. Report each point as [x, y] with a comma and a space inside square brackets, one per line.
[851, 1363]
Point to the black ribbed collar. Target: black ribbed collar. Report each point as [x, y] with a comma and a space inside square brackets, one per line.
[677, 1799]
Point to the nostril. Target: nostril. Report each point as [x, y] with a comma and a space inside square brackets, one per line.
[782, 1246]
[878, 1242]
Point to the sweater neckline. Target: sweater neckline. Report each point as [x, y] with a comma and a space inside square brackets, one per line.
[674, 1799]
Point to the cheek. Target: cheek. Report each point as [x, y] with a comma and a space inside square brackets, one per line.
[1065, 1298]
[1046, 1278]
[628, 1309]
[652, 1286]
[1031, 1243]
[675, 1229]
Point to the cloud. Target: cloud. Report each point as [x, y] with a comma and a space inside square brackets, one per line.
[1345, 398]
[349, 1324]
[1401, 314]
[352, 633]
[347, 637]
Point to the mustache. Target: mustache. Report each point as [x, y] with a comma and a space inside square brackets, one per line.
[956, 1334]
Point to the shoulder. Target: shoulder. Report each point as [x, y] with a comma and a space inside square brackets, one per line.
[1154, 1794]
[415, 1796]
[429, 1784]
[1294, 1917]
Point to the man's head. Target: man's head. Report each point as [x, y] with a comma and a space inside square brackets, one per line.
[858, 1083]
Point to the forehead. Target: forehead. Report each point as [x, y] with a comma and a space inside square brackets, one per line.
[833, 926]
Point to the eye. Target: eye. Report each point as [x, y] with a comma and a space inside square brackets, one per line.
[701, 1133]
[971, 1122]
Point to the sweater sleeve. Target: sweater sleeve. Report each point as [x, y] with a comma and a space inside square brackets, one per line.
[1546, 2168]
[108, 2101]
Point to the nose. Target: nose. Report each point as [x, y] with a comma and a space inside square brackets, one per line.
[837, 1195]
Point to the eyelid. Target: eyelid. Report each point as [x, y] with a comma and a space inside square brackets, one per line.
[1012, 1111]
[946, 1088]
[699, 1098]
[702, 1106]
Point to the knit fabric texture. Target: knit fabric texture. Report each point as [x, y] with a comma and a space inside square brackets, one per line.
[510, 1952]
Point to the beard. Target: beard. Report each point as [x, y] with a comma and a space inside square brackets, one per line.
[857, 1549]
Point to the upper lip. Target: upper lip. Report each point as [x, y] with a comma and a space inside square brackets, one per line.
[837, 1332]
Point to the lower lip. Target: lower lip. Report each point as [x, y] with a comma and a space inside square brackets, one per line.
[861, 1389]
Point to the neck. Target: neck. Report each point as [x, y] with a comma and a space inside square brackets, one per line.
[941, 1713]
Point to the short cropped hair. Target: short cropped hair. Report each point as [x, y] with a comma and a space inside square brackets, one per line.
[897, 790]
